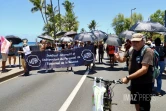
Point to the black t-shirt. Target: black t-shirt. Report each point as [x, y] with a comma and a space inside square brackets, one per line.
[101, 48]
[95, 49]
[64, 46]
[50, 48]
[135, 65]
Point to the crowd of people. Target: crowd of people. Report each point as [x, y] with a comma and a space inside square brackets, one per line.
[56, 46]
[140, 69]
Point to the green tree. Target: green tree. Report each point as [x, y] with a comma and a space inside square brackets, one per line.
[127, 24]
[118, 23]
[92, 25]
[136, 17]
[70, 20]
[158, 16]
[38, 6]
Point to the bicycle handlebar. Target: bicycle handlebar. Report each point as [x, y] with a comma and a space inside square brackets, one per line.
[113, 81]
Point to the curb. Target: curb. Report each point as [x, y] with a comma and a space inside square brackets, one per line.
[11, 76]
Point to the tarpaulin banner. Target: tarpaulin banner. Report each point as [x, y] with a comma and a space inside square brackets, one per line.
[66, 58]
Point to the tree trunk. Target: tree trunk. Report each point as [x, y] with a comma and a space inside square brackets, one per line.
[42, 16]
[53, 19]
[59, 14]
[45, 10]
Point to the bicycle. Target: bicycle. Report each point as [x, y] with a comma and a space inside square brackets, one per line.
[107, 97]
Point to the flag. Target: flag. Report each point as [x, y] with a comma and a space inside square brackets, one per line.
[5, 44]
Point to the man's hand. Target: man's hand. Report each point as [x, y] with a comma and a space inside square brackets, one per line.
[125, 80]
[117, 57]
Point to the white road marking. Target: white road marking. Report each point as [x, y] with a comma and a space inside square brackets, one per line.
[68, 101]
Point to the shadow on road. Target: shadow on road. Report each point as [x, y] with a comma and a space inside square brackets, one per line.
[45, 72]
[110, 68]
[82, 72]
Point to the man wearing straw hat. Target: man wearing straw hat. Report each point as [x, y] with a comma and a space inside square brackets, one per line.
[140, 73]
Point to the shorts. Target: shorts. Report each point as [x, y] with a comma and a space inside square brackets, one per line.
[4, 57]
[11, 54]
[111, 55]
[141, 94]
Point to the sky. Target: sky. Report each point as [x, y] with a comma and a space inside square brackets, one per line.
[17, 19]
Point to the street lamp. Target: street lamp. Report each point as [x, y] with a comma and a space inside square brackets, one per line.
[131, 14]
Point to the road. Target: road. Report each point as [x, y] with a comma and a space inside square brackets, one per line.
[54, 91]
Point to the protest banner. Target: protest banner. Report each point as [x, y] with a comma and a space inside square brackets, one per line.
[66, 58]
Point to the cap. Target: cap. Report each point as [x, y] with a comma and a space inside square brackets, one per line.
[137, 37]
[149, 42]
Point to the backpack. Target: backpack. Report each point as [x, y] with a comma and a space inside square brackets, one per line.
[156, 57]
[160, 51]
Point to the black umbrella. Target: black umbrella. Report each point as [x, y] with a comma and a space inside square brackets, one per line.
[46, 37]
[60, 33]
[148, 27]
[14, 39]
[70, 33]
[113, 40]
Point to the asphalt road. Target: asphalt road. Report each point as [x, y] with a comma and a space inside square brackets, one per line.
[52, 91]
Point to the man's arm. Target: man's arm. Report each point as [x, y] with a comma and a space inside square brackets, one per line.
[139, 72]
[119, 59]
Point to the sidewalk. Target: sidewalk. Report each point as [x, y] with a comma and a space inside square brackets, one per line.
[13, 71]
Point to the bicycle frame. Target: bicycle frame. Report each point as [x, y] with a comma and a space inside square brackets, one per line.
[106, 99]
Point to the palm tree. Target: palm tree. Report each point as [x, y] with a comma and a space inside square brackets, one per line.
[70, 20]
[68, 6]
[38, 6]
[92, 25]
[82, 30]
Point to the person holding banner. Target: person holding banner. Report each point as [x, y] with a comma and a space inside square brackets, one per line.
[88, 65]
[5, 44]
[24, 50]
[69, 48]
[49, 48]
[43, 45]
[76, 45]
[81, 44]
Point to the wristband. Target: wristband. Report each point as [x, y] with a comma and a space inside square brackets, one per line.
[127, 78]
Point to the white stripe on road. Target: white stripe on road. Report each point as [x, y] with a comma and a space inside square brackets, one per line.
[73, 93]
